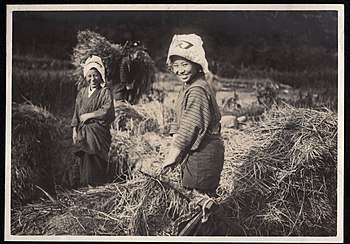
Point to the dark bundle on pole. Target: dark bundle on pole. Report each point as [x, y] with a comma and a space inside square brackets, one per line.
[287, 181]
[140, 73]
[35, 152]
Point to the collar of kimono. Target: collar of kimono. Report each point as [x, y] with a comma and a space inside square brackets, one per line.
[194, 78]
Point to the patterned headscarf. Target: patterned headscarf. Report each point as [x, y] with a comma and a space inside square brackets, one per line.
[189, 47]
[95, 62]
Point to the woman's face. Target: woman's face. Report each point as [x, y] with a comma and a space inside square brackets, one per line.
[184, 69]
[93, 77]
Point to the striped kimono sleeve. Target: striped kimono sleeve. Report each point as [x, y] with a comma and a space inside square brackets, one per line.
[194, 121]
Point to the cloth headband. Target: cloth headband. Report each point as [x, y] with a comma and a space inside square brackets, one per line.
[95, 62]
[189, 47]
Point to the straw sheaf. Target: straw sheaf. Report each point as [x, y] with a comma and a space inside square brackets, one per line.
[138, 207]
[141, 118]
[286, 182]
[35, 150]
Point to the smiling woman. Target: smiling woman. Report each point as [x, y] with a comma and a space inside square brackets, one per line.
[93, 115]
[197, 142]
[184, 69]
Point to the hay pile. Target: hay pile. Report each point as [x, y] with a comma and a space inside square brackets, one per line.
[138, 135]
[142, 205]
[138, 69]
[129, 153]
[35, 151]
[144, 117]
[279, 178]
[286, 183]
[139, 206]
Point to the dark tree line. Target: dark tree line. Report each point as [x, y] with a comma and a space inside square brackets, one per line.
[279, 40]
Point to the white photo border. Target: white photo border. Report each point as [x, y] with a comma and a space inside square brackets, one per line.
[177, 7]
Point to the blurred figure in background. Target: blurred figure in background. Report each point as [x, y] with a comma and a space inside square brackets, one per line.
[197, 142]
[92, 118]
[131, 73]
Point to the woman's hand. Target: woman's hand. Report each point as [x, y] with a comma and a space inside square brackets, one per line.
[174, 137]
[75, 137]
[86, 117]
[170, 161]
[168, 166]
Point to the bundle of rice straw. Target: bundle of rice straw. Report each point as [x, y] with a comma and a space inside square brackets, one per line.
[129, 153]
[92, 43]
[141, 118]
[123, 156]
[140, 206]
[140, 68]
[35, 151]
[286, 183]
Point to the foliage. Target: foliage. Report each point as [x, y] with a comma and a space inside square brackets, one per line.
[274, 39]
[40, 63]
[318, 99]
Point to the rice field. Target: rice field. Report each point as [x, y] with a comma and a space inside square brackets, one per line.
[279, 176]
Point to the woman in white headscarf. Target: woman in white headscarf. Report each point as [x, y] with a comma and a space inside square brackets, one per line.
[93, 115]
[197, 142]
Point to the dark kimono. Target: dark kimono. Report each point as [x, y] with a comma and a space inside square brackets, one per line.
[93, 137]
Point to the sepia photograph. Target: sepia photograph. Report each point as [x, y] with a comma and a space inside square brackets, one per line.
[174, 122]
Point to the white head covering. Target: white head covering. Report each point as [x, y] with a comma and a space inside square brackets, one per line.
[189, 47]
[95, 62]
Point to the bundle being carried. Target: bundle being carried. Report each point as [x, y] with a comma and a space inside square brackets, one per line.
[286, 183]
[91, 43]
[129, 68]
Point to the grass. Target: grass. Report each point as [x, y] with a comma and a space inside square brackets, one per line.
[52, 89]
